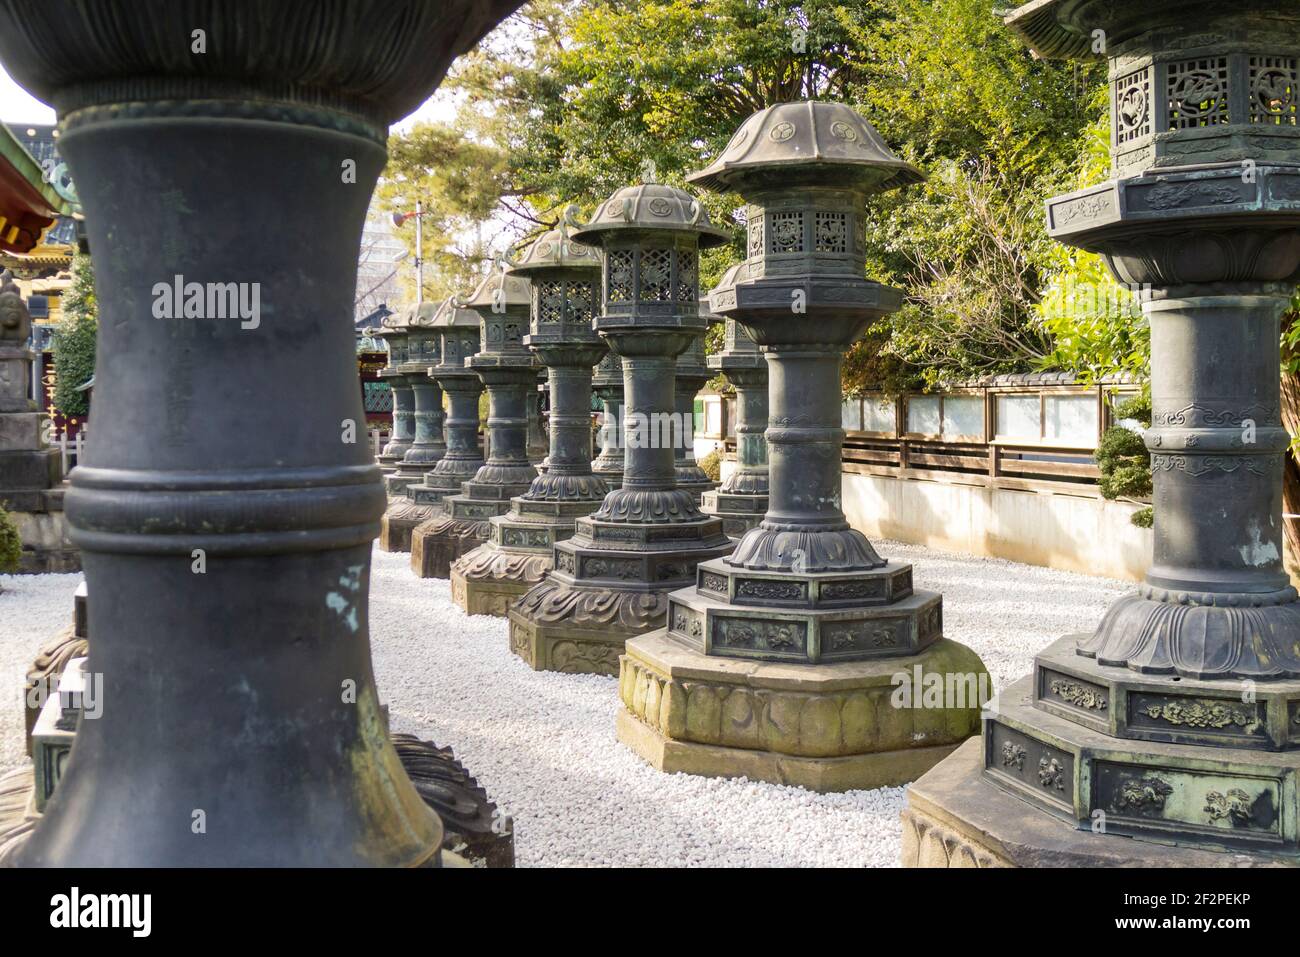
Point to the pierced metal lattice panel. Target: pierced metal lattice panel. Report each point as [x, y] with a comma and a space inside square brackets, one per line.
[831, 232]
[785, 232]
[1273, 82]
[1133, 107]
[688, 276]
[579, 295]
[1198, 93]
[550, 302]
[656, 275]
[618, 276]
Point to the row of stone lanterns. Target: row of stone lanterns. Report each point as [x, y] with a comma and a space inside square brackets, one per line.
[508, 372]
[416, 500]
[517, 554]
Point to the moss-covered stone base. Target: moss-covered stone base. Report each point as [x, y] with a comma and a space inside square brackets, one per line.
[828, 727]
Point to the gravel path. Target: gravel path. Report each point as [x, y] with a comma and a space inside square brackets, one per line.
[543, 744]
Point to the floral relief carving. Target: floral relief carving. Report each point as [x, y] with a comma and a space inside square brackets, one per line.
[1204, 714]
[1079, 695]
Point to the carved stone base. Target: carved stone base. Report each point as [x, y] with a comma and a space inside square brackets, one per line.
[739, 513]
[440, 541]
[1222, 797]
[1201, 635]
[487, 581]
[18, 814]
[401, 519]
[828, 727]
[397, 482]
[569, 628]
[956, 818]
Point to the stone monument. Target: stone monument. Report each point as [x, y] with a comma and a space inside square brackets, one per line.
[564, 277]
[459, 328]
[611, 580]
[509, 373]
[741, 500]
[230, 566]
[1177, 720]
[801, 657]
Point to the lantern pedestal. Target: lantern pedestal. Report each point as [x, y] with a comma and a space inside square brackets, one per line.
[802, 657]
[1177, 720]
[242, 725]
[457, 329]
[610, 581]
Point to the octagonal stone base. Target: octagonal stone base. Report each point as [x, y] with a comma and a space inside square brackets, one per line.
[739, 513]
[1204, 795]
[568, 647]
[827, 727]
[955, 817]
[486, 596]
[440, 541]
[401, 519]
[487, 580]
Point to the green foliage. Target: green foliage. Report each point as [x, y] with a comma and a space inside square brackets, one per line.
[459, 183]
[712, 465]
[1096, 325]
[74, 341]
[1123, 458]
[572, 100]
[11, 546]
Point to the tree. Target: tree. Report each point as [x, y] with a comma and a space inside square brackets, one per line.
[11, 546]
[74, 341]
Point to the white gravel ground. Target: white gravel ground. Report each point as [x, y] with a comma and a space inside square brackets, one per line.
[543, 744]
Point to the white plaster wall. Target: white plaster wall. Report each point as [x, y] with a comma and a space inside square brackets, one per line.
[1073, 533]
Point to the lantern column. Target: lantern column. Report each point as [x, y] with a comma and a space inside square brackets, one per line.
[509, 374]
[230, 566]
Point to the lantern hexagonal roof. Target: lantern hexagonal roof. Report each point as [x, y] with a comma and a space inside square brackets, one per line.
[517, 292]
[808, 135]
[650, 206]
[554, 249]
[452, 315]
[423, 315]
